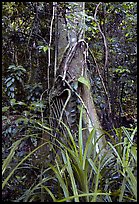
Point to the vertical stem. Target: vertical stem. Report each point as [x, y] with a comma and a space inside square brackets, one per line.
[106, 50]
[56, 39]
[49, 47]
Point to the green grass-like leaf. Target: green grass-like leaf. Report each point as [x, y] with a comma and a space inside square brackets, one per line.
[88, 147]
[80, 139]
[70, 171]
[11, 156]
[61, 181]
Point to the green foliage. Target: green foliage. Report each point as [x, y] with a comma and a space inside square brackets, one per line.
[75, 175]
[76, 172]
[118, 20]
[118, 23]
[33, 92]
[10, 157]
[44, 48]
[127, 162]
[15, 81]
[84, 81]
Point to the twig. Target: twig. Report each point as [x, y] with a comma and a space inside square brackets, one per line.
[104, 38]
[106, 56]
[41, 106]
[56, 39]
[49, 47]
[65, 104]
[102, 81]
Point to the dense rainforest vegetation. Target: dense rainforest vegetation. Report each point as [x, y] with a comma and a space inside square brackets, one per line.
[37, 163]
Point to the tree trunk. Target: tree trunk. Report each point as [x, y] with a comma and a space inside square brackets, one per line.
[71, 62]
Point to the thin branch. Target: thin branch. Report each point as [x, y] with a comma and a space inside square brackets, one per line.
[102, 81]
[49, 47]
[104, 38]
[56, 40]
[41, 97]
[106, 56]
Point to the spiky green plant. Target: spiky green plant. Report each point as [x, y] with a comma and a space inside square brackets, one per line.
[78, 174]
[81, 175]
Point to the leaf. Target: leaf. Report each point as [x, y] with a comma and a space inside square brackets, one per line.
[9, 83]
[11, 67]
[88, 147]
[127, 34]
[5, 108]
[50, 192]
[12, 102]
[71, 138]
[84, 81]
[18, 77]
[127, 134]
[98, 176]
[12, 88]
[10, 156]
[45, 127]
[134, 152]
[132, 181]
[45, 48]
[37, 104]
[21, 69]
[94, 168]
[72, 178]
[21, 103]
[9, 78]
[22, 121]
[4, 117]
[61, 181]
[122, 190]
[80, 136]
[115, 151]
[12, 95]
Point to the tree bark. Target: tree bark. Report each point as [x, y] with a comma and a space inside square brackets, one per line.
[71, 54]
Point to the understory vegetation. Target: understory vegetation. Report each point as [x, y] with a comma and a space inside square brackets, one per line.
[46, 163]
[73, 171]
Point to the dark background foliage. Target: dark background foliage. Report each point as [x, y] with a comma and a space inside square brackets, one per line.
[25, 39]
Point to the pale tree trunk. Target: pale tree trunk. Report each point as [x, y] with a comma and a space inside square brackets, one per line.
[71, 51]
[67, 28]
[70, 64]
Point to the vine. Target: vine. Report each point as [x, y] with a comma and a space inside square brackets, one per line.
[106, 57]
[49, 46]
